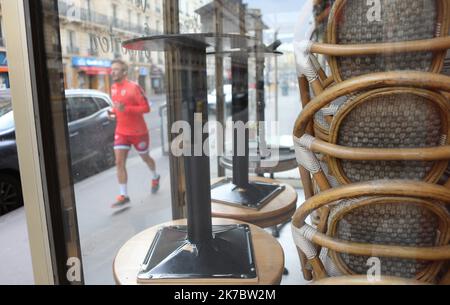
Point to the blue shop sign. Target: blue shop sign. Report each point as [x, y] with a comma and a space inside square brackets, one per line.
[90, 62]
[3, 59]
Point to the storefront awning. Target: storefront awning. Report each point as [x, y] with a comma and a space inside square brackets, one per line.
[3, 69]
[96, 70]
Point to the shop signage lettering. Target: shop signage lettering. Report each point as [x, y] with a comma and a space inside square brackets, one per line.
[74, 269]
[109, 44]
[90, 62]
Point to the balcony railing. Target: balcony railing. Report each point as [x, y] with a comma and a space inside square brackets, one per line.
[93, 52]
[73, 50]
[84, 15]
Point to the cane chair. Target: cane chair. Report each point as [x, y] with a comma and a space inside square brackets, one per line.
[321, 11]
[357, 280]
[400, 228]
[408, 35]
[387, 115]
[392, 130]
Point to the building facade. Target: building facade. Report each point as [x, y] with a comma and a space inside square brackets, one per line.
[92, 32]
[4, 78]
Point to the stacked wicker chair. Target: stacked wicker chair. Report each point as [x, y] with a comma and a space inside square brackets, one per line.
[373, 144]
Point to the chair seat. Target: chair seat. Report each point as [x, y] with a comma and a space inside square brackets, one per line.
[319, 118]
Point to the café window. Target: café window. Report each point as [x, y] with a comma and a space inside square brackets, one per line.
[242, 142]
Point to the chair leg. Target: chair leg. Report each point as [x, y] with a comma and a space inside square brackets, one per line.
[277, 228]
[447, 184]
[275, 231]
[307, 274]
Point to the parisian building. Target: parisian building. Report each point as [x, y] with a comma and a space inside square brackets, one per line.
[92, 32]
[4, 79]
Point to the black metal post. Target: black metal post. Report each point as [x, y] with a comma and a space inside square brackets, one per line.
[220, 97]
[239, 72]
[240, 190]
[239, 106]
[196, 163]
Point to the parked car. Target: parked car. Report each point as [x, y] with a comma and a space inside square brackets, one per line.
[91, 136]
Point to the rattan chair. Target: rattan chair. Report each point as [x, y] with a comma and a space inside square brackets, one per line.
[402, 225]
[392, 113]
[391, 130]
[358, 280]
[410, 35]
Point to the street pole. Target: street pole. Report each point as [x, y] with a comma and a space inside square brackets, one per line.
[173, 84]
[220, 98]
[276, 81]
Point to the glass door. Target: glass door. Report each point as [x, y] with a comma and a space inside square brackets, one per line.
[97, 183]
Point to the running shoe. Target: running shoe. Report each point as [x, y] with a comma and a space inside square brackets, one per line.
[120, 201]
[155, 184]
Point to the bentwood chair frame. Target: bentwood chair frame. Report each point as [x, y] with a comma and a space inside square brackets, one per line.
[306, 145]
[309, 240]
[309, 67]
[312, 75]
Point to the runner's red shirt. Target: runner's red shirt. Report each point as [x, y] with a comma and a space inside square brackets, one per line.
[130, 122]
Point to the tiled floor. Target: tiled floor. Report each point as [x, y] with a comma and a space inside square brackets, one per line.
[292, 262]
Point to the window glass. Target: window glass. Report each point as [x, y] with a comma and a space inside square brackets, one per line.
[102, 103]
[91, 36]
[331, 95]
[81, 107]
[15, 255]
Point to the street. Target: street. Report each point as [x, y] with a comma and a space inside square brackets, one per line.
[104, 230]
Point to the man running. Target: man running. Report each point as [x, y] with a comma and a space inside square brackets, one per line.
[130, 105]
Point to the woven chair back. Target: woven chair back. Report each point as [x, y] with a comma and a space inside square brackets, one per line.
[391, 118]
[382, 21]
[396, 221]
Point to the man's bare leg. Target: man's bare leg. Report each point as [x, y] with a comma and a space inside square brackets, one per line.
[121, 160]
[150, 162]
[152, 166]
[122, 176]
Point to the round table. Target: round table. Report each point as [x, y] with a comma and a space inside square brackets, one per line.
[285, 161]
[269, 257]
[279, 210]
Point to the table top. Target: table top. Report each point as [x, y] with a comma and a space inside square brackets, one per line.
[277, 211]
[269, 257]
[198, 40]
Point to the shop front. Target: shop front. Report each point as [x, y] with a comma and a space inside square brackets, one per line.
[4, 77]
[157, 79]
[91, 73]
